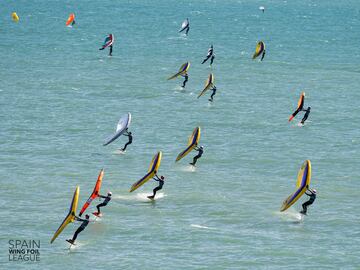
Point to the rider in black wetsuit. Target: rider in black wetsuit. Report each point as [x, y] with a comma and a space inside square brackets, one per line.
[128, 134]
[85, 222]
[161, 183]
[210, 54]
[187, 28]
[105, 202]
[186, 76]
[201, 151]
[110, 47]
[213, 93]
[312, 196]
[307, 112]
[263, 55]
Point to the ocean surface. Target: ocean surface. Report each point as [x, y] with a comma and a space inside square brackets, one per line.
[60, 98]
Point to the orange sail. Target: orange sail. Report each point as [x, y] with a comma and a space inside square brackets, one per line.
[95, 192]
[299, 107]
[71, 19]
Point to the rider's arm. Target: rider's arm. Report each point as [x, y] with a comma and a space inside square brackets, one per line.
[79, 219]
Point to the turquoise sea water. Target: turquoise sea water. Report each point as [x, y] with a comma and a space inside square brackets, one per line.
[60, 98]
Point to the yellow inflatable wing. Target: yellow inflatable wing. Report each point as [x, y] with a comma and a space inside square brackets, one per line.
[183, 69]
[153, 168]
[302, 183]
[208, 84]
[260, 48]
[192, 143]
[15, 17]
[70, 216]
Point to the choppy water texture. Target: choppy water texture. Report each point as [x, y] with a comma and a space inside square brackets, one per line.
[60, 98]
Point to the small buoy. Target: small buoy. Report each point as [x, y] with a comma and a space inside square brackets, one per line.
[15, 17]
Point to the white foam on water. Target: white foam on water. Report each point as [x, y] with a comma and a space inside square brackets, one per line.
[119, 152]
[179, 88]
[187, 168]
[200, 226]
[78, 245]
[291, 215]
[140, 197]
